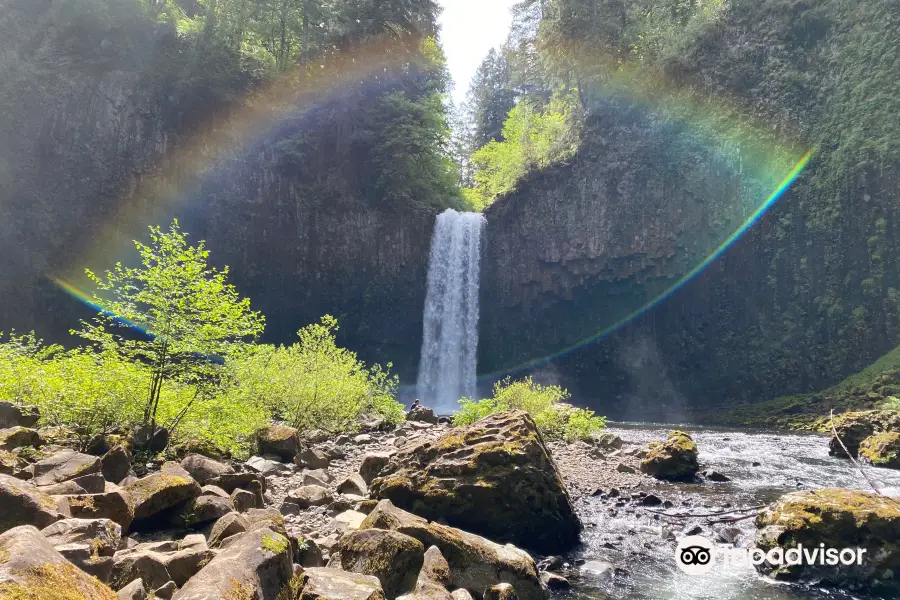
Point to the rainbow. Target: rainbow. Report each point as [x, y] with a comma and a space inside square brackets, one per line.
[94, 303]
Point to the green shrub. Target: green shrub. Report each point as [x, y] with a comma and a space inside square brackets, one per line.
[545, 404]
[314, 383]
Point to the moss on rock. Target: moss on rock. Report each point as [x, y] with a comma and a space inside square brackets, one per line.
[882, 449]
[674, 459]
[55, 582]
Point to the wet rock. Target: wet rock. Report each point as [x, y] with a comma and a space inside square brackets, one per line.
[692, 530]
[882, 449]
[17, 415]
[674, 459]
[229, 525]
[161, 490]
[596, 567]
[729, 535]
[108, 505]
[258, 565]
[854, 427]
[309, 495]
[116, 464]
[837, 518]
[353, 484]
[133, 591]
[311, 458]
[461, 594]
[422, 415]
[651, 500]
[102, 534]
[23, 504]
[279, 440]
[31, 569]
[372, 465]
[204, 469]
[392, 557]
[715, 476]
[475, 563]
[550, 563]
[554, 582]
[324, 583]
[17, 437]
[494, 477]
[64, 465]
[501, 591]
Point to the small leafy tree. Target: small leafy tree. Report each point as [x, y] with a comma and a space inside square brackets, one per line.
[175, 314]
[545, 404]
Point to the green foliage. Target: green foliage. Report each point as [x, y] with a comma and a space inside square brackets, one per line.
[314, 383]
[533, 138]
[545, 404]
[174, 313]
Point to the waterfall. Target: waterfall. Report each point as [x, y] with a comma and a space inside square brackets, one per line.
[450, 336]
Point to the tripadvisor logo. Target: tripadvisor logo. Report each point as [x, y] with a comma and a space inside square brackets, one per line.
[696, 555]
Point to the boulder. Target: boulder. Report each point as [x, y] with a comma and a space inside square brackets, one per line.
[317, 477]
[184, 564]
[147, 565]
[204, 469]
[315, 436]
[392, 557]
[882, 449]
[333, 584]
[265, 466]
[501, 591]
[64, 465]
[133, 591]
[372, 465]
[353, 484]
[229, 525]
[103, 535]
[475, 563]
[152, 439]
[200, 510]
[214, 490]
[116, 464]
[674, 459]
[31, 569]
[17, 437]
[435, 567]
[23, 504]
[165, 592]
[494, 477]
[312, 458]
[309, 554]
[87, 484]
[606, 441]
[11, 464]
[265, 517]
[309, 495]
[161, 490]
[350, 519]
[108, 505]
[230, 481]
[278, 440]
[854, 427]
[17, 415]
[461, 594]
[422, 415]
[242, 500]
[82, 555]
[554, 582]
[258, 565]
[837, 518]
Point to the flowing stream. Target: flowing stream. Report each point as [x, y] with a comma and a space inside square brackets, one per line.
[450, 336]
[629, 554]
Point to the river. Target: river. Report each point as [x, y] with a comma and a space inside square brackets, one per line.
[629, 552]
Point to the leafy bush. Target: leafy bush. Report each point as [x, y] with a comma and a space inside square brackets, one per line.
[545, 404]
[314, 383]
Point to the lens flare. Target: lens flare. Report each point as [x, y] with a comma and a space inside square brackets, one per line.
[93, 303]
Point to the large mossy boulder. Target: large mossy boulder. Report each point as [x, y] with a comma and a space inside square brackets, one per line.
[158, 491]
[882, 449]
[258, 565]
[278, 440]
[475, 563]
[494, 477]
[394, 558]
[23, 504]
[113, 505]
[837, 518]
[854, 427]
[673, 460]
[31, 569]
[63, 466]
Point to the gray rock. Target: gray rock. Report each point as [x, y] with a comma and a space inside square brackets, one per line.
[161, 490]
[394, 558]
[64, 465]
[422, 414]
[500, 591]
[309, 554]
[554, 582]
[88, 484]
[214, 490]
[435, 567]
[372, 465]
[317, 477]
[309, 495]
[17, 437]
[333, 584]
[139, 564]
[363, 438]
[103, 535]
[116, 464]
[133, 591]
[23, 504]
[461, 594]
[17, 415]
[81, 554]
[204, 469]
[202, 509]
[353, 484]
[278, 440]
[623, 468]
[312, 458]
[227, 526]
[257, 565]
[242, 500]
[267, 467]
[108, 505]
[165, 592]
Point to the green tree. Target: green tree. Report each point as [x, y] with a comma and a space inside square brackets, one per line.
[174, 313]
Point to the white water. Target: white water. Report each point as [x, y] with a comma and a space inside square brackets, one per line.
[450, 337]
